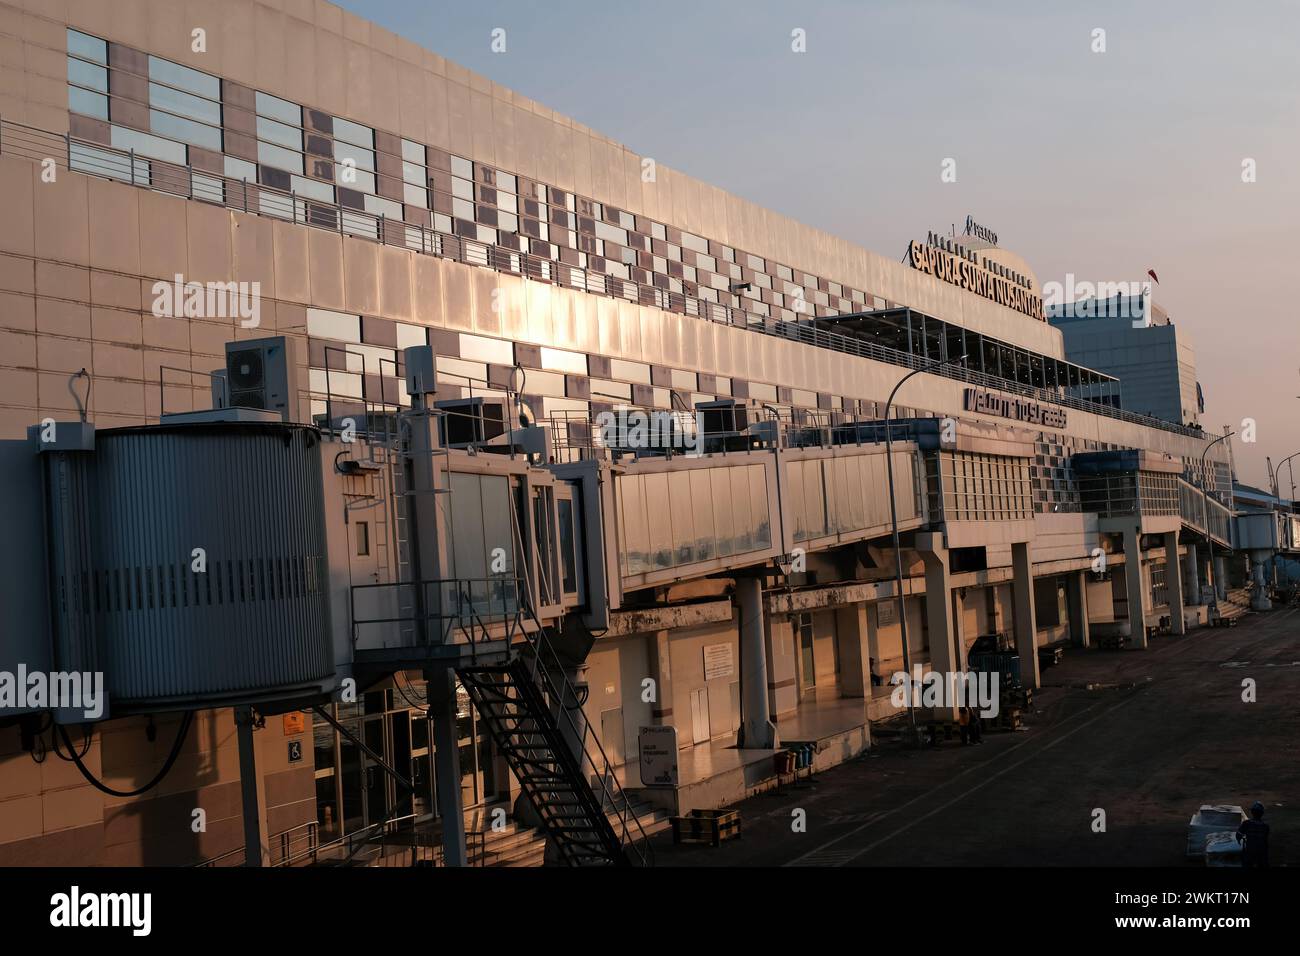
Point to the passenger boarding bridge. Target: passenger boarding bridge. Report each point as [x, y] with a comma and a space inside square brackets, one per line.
[211, 560]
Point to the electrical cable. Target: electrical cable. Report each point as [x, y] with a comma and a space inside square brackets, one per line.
[181, 734]
[85, 749]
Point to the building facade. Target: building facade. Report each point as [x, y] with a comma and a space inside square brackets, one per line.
[319, 180]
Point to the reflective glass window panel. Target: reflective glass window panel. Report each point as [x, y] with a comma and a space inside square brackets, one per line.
[363, 158]
[146, 145]
[353, 178]
[184, 78]
[378, 206]
[414, 173]
[354, 133]
[184, 104]
[240, 169]
[87, 47]
[87, 103]
[279, 157]
[278, 109]
[87, 74]
[412, 152]
[177, 127]
[312, 189]
[415, 196]
[272, 132]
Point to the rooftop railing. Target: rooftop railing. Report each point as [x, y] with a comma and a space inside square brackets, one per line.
[189, 182]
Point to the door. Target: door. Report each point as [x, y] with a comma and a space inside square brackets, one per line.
[700, 716]
[611, 735]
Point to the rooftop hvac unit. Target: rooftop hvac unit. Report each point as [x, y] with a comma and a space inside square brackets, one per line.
[471, 421]
[724, 416]
[263, 373]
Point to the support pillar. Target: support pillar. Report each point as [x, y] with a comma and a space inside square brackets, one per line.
[1259, 574]
[661, 672]
[1221, 577]
[851, 636]
[1174, 584]
[248, 787]
[1192, 576]
[944, 659]
[1022, 593]
[1076, 597]
[446, 763]
[1136, 592]
[756, 727]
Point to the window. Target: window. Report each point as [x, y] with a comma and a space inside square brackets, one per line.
[87, 47]
[184, 78]
[177, 127]
[81, 73]
[412, 152]
[363, 538]
[363, 158]
[87, 103]
[270, 131]
[354, 133]
[278, 109]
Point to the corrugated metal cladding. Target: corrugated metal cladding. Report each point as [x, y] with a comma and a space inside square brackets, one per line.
[257, 621]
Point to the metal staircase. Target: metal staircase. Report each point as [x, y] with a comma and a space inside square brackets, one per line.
[536, 720]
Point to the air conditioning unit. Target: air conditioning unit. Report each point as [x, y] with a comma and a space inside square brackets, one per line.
[263, 373]
[724, 416]
[471, 421]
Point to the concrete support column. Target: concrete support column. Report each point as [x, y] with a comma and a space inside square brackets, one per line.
[1174, 584]
[1022, 594]
[1076, 596]
[944, 658]
[756, 725]
[446, 763]
[1192, 576]
[1259, 562]
[1221, 576]
[851, 636]
[248, 787]
[661, 672]
[1134, 588]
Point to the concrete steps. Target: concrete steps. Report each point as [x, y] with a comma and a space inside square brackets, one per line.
[525, 846]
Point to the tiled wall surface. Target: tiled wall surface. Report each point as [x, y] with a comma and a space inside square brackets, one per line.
[348, 68]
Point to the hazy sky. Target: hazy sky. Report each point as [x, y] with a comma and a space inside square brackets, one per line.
[1101, 164]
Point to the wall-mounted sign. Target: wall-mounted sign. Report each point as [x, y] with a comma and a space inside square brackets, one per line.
[983, 402]
[658, 747]
[948, 260]
[886, 612]
[719, 661]
[295, 751]
[293, 723]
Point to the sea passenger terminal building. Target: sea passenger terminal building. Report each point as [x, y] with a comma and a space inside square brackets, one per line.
[383, 198]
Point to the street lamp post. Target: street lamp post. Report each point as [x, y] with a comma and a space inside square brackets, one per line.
[1205, 515]
[893, 519]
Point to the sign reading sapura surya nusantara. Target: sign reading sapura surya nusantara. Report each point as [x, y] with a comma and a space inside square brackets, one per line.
[975, 277]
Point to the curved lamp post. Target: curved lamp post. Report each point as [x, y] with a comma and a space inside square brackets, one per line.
[1205, 514]
[893, 518]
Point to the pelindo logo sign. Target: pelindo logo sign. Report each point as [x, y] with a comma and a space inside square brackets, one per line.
[1021, 409]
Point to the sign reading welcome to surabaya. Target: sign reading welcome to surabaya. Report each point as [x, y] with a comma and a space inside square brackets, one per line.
[983, 402]
[975, 277]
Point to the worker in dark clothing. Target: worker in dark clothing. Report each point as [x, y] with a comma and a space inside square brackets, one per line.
[976, 727]
[963, 722]
[1254, 833]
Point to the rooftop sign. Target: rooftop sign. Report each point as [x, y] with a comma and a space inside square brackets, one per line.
[949, 260]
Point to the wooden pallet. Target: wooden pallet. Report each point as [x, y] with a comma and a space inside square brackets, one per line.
[711, 827]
